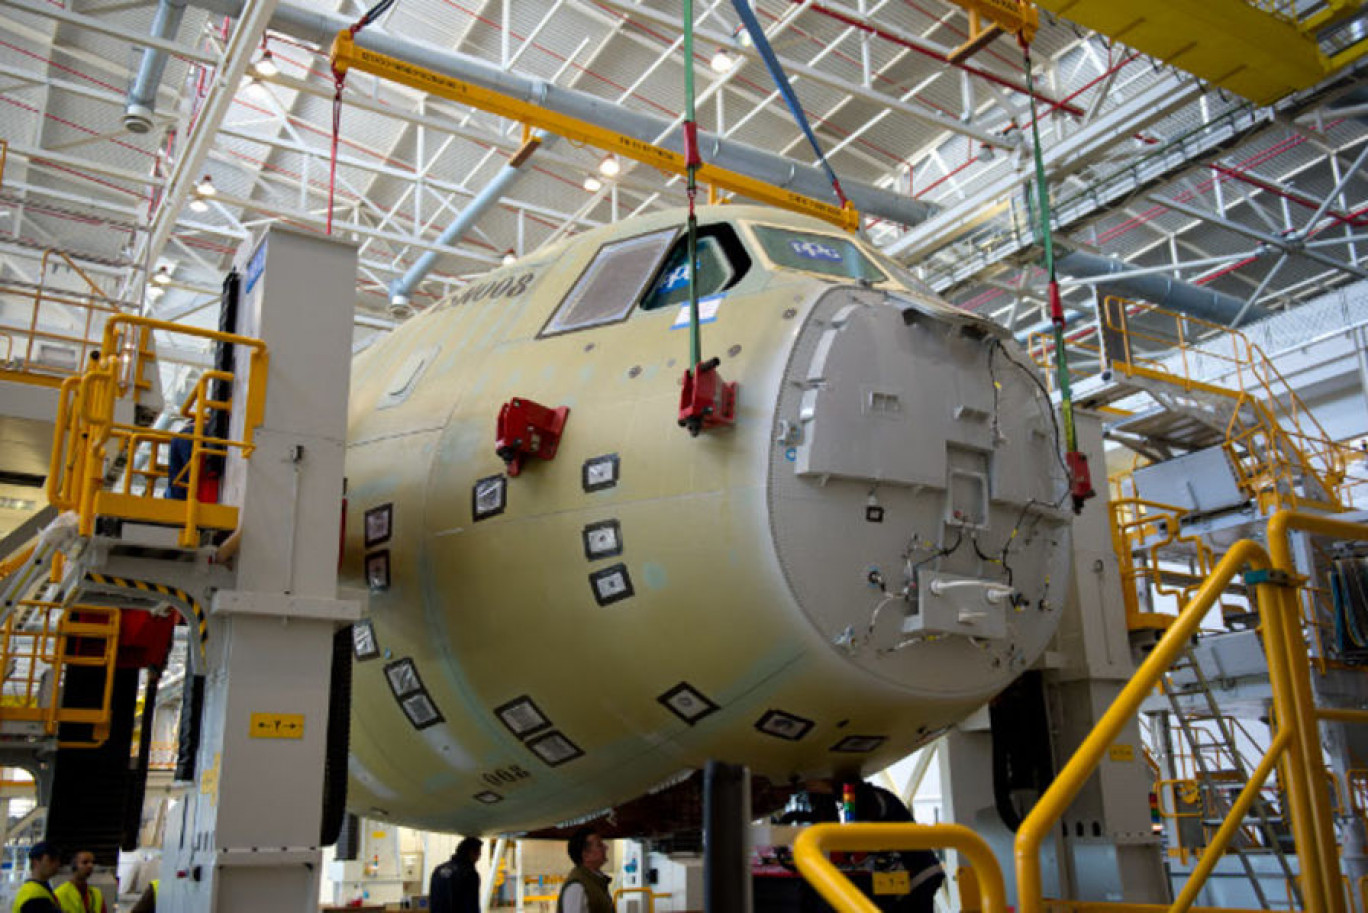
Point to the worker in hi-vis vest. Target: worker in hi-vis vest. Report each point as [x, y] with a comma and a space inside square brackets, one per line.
[78, 895]
[35, 895]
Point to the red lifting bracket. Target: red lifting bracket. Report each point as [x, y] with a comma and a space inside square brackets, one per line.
[706, 400]
[528, 429]
[1080, 478]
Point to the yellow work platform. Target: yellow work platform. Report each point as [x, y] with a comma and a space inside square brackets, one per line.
[1227, 43]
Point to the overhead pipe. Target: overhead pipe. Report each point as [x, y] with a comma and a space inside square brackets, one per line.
[401, 289]
[1172, 294]
[320, 27]
[142, 92]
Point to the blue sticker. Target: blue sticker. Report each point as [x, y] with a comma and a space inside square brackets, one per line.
[791, 454]
[677, 278]
[815, 250]
[255, 267]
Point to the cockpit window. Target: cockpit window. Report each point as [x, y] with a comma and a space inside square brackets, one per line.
[829, 255]
[612, 283]
[722, 261]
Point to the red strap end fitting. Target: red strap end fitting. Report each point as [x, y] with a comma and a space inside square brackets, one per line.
[528, 429]
[691, 157]
[1056, 304]
[707, 400]
[1080, 479]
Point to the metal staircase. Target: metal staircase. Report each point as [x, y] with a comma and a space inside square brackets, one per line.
[1220, 771]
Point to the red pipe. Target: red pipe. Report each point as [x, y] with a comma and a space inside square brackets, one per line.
[1285, 194]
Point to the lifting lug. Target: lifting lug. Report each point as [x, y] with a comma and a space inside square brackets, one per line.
[706, 401]
[526, 428]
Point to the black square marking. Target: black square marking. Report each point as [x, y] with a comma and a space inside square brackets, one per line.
[420, 710]
[783, 725]
[600, 472]
[403, 677]
[488, 797]
[489, 497]
[874, 513]
[859, 744]
[612, 584]
[378, 570]
[378, 524]
[687, 703]
[413, 698]
[364, 641]
[554, 748]
[602, 540]
[522, 717]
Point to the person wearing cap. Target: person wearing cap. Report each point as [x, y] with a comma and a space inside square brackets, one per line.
[78, 895]
[35, 895]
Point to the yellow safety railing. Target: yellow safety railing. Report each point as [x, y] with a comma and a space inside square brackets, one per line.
[814, 843]
[24, 353]
[1295, 743]
[1138, 525]
[651, 896]
[1274, 441]
[38, 643]
[87, 437]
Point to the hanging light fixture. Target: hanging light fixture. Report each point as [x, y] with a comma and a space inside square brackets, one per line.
[199, 205]
[205, 187]
[741, 36]
[509, 258]
[610, 166]
[722, 61]
[592, 184]
[265, 66]
[154, 292]
[162, 276]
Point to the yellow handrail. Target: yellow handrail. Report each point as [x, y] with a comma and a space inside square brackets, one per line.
[811, 848]
[1291, 701]
[649, 894]
[87, 435]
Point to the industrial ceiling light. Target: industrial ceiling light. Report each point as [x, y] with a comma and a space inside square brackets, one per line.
[722, 61]
[592, 184]
[265, 66]
[256, 88]
[741, 36]
[199, 205]
[610, 166]
[509, 258]
[154, 292]
[986, 153]
[162, 276]
[205, 187]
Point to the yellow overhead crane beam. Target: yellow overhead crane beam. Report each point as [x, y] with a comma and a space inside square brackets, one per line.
[1245, 46]
[991, 18]
[346, 55]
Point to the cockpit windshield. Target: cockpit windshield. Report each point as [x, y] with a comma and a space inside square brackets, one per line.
[829, 255]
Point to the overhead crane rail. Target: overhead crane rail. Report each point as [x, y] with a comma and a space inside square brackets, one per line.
[346, 55]
[1294, 750]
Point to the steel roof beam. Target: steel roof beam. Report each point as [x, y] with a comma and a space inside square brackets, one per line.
[100, 27]
[320, 27]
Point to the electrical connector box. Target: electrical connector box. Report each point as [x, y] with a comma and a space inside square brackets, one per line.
[967, 606]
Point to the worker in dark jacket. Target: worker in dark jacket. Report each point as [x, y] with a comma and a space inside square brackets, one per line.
[455, 885]
[35, 895]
